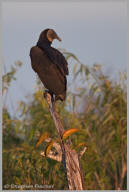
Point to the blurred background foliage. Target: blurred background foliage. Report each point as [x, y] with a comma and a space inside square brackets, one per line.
[95, 104]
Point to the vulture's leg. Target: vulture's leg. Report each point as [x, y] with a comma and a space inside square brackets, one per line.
[45, 95]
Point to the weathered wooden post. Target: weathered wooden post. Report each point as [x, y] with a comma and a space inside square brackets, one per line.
[70, 158]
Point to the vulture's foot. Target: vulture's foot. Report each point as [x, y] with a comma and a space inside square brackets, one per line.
[49, 96]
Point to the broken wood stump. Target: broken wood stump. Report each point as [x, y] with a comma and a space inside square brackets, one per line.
[70, 158]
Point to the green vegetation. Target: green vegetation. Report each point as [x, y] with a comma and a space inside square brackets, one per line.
[95, 105]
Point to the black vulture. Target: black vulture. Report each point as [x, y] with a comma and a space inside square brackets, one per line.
[50, 64]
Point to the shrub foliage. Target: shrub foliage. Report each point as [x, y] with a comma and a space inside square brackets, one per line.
[95, 105]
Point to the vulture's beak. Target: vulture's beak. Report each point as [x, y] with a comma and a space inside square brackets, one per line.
[58, 38]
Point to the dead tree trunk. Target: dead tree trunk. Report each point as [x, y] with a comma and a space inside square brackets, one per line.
[70, 158]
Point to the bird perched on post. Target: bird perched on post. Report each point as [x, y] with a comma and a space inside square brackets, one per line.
[50, 64]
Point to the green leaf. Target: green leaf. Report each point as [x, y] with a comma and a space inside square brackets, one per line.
[68, 55]
[75, 68]
[110, 117]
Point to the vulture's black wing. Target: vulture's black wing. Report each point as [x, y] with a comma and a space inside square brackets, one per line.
[48, 72]
[56, 57]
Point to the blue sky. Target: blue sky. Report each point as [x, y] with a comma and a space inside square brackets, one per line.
[95, 31]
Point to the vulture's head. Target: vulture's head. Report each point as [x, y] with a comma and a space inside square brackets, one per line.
[48, 34]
